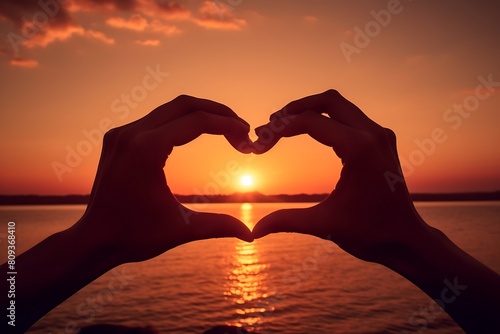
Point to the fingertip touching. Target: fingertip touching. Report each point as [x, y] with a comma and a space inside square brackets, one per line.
[243, 144]
[267, 138]
[259, 231]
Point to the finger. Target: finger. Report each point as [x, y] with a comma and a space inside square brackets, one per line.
[391, 137]
[266, 139]
[322, 128]
[185, 129]
[108, 145]
[269, 134]
[241, 143]
[212, 225]
[181, 106]
[332, 103]
[288, 220]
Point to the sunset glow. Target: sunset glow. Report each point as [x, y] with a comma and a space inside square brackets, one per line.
[90, 66]
[246, 181]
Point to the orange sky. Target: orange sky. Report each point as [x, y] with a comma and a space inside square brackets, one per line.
[427, 69]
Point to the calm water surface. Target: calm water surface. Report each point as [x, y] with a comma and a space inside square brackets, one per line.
[283, 283]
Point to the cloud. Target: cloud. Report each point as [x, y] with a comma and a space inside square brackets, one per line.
[100, 36]
[37, 24]
[148, 42]
[166, 29]
[310, 19]
[23, 62]
[49, 35]
[168, 10]
[173, 11]
[215, 16]
[40, 12]
[136, 22]
[101, 5]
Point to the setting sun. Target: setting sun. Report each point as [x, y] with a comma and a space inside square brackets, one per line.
[246, 181]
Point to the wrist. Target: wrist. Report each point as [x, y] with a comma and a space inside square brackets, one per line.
[98, 248]
[465, 288]
[62, 264]
[414, 252]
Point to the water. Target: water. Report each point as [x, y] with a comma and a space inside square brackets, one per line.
[283, 283]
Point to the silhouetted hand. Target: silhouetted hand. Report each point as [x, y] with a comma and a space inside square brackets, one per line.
[131, 205]
[368, 212]
[132, 215]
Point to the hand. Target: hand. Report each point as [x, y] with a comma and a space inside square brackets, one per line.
[131, 205]
[370, 211]
[131, 215]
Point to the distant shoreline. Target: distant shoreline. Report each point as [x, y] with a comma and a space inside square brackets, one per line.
[253, 197]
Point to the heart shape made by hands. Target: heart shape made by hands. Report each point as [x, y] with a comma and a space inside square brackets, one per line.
[370, 200]
[362, 215]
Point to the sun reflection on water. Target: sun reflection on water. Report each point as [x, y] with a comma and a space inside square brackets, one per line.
[246, 281]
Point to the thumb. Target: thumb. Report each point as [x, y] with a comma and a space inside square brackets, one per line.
[288, 220]
[213, 225]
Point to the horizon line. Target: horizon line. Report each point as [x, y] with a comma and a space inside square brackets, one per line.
[248, 197]
[263, 194]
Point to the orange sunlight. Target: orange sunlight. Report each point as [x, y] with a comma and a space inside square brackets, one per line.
[255, 59]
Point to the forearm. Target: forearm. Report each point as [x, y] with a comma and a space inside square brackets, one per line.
[51, 272]
[466, 289]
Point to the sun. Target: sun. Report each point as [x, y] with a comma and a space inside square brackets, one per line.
[246, 181]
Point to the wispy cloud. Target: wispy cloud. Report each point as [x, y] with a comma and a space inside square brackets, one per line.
[148, 42]
[167, 10]
[135, 22]
[214, 16]
[19, 11]
[164, 28]
[310, 19]
[104, 5]
[23, 62]
[37, 24]
[138, 23]
[52, 34]
[100, 36]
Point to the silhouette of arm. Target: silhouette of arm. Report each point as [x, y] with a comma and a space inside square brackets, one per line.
[370, 213]
[132, 215]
